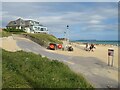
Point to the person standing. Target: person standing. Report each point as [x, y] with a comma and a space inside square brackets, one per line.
[87, 47]
[91, 47]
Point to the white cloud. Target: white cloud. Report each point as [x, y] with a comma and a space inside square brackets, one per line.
[97, 17]
[86, 19]
[94, 21]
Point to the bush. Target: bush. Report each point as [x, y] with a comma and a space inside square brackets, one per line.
[13, 30]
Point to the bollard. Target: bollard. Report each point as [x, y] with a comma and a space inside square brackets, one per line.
[110, 56]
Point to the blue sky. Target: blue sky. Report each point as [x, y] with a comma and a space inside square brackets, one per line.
[86, 20]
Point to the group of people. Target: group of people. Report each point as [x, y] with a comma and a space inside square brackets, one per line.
[90, 47]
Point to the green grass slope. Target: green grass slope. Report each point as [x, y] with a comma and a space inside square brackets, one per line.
[43, 39]
[27, 70]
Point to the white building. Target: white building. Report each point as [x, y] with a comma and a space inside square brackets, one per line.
[28, 26]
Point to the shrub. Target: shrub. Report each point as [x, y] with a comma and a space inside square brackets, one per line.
[13, 30]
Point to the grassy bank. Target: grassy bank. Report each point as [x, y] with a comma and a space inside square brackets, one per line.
[40, 38]
[28, 70]
[43, 39]
[5, 34]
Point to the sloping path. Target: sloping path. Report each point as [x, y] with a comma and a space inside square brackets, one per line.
[93, 69]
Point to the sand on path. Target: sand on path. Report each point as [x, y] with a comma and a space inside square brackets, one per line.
[9, 44]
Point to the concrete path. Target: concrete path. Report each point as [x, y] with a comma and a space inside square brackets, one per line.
[93, 69]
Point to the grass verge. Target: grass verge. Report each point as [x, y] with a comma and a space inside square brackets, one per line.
[27, 70]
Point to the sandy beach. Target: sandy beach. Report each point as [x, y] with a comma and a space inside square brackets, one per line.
[101, 52]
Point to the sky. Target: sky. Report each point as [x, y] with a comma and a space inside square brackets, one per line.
[86, 20]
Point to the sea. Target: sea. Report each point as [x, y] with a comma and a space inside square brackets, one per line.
[104, 42]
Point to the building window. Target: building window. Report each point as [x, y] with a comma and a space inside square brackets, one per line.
[15, 22]
[36, 22]
[42, 29]
[35, 28]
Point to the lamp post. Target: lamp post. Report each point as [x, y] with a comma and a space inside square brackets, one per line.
[68, 34]
[65, 35]
[66, 42]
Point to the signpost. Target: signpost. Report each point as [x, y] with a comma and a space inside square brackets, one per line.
[110, 54]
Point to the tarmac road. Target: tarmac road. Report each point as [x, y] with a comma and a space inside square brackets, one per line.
[95, 71]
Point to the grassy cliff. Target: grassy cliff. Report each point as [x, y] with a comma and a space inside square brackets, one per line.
[27, 70]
